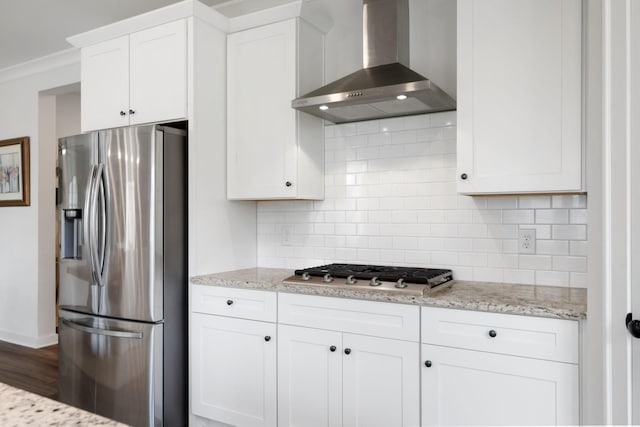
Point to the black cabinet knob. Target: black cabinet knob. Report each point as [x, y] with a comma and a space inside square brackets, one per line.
[229, 301]
[288, 184]
[332, 348]
[122, 113]
[267, 338]
[493, 333]
[347, 351]
[464, 176]
[131, 112]
[427, 363]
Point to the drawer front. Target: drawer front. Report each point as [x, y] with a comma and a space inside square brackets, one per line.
[380, 319]
[535, 337]
[241, 303]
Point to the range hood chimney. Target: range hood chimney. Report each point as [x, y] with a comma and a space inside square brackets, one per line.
[385, 87]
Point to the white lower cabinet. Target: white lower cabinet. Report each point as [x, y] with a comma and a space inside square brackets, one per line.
[333, 362]
[498, 369]
[309, 377]
[381, 382]
[233, 377]
[466, 387]
[345, 362]
[329, 378]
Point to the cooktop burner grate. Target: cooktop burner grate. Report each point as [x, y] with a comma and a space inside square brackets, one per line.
[430, 277]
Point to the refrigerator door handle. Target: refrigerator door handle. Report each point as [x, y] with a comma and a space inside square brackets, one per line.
[101, 250]
[99, 331]
[88, 221]
[93, 219]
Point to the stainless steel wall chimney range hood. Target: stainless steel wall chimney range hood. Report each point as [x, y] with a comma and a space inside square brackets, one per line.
[386, 87]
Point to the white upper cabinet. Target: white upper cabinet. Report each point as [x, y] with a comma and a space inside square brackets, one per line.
[134, 79]
[274, 151]
[519, 96]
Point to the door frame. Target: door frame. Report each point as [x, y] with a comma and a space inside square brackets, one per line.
[616, 229]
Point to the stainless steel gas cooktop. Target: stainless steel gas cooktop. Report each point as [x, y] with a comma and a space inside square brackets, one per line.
[408, 280]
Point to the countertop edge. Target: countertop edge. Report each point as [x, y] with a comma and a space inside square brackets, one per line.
[464, 295]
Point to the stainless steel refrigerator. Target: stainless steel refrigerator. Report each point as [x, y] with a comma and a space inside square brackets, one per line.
[122, 274]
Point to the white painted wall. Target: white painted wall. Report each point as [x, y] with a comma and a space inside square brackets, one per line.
[67, 114]
[27, 274]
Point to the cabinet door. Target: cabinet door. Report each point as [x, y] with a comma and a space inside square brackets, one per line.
[158, 73]
[309, 377]
[465, 387]
[261, 133]
[105, 84]
[381, 382]
[519, 96]
[234, 370]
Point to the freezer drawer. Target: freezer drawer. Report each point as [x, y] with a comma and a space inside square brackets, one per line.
[112, 367]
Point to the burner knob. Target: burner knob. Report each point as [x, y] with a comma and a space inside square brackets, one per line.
[400, 284]
[351, 280]
[327, 278]
[306, 276]
[375, 282]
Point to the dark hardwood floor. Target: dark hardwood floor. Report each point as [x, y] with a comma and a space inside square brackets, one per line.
[34, 370]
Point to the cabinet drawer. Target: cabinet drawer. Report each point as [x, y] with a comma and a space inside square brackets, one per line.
[243, 303]
[374, 318]
[535, 337]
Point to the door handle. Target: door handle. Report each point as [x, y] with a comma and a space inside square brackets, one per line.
[633, 326]
[100, 331]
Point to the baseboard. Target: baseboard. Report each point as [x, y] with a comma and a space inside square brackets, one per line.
[37, 342]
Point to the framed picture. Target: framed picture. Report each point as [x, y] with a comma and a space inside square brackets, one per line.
[14, 172]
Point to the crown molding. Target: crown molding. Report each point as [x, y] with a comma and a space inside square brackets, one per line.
[39, 65]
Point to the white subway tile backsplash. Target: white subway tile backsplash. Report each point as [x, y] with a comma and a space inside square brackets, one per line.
[578, 216]
[552, 216]
[502, 202]
[534, 262]
[575, 201]
[542, 231]
[552, 247]
[417, 122]
[364, 128]
[522, 216]
[578, 280]
[392, 125]
[391, 198]
[569, 232]
[519, 276]
[443, 119]
[534, 202]
[570, 263]
[488, 274]
[578, 248]
[552, 278]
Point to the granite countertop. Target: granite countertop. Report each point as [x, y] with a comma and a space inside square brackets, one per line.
[529, 300]
[20, 408]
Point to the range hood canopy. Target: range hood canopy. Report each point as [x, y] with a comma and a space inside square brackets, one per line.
[385, 87]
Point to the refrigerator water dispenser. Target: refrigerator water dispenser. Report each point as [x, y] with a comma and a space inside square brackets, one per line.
[71, 234]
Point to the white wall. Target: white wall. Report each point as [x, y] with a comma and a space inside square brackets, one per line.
[27, 275]
[67, 114]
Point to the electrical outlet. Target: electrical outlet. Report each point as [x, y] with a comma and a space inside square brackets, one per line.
[287, 232]
[527, 241]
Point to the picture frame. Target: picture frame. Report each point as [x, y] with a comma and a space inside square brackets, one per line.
[15, 172]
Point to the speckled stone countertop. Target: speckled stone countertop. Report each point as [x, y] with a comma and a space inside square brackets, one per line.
[528, 300]
[21, 408]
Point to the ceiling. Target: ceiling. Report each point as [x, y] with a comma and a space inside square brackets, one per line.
[30, 29]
